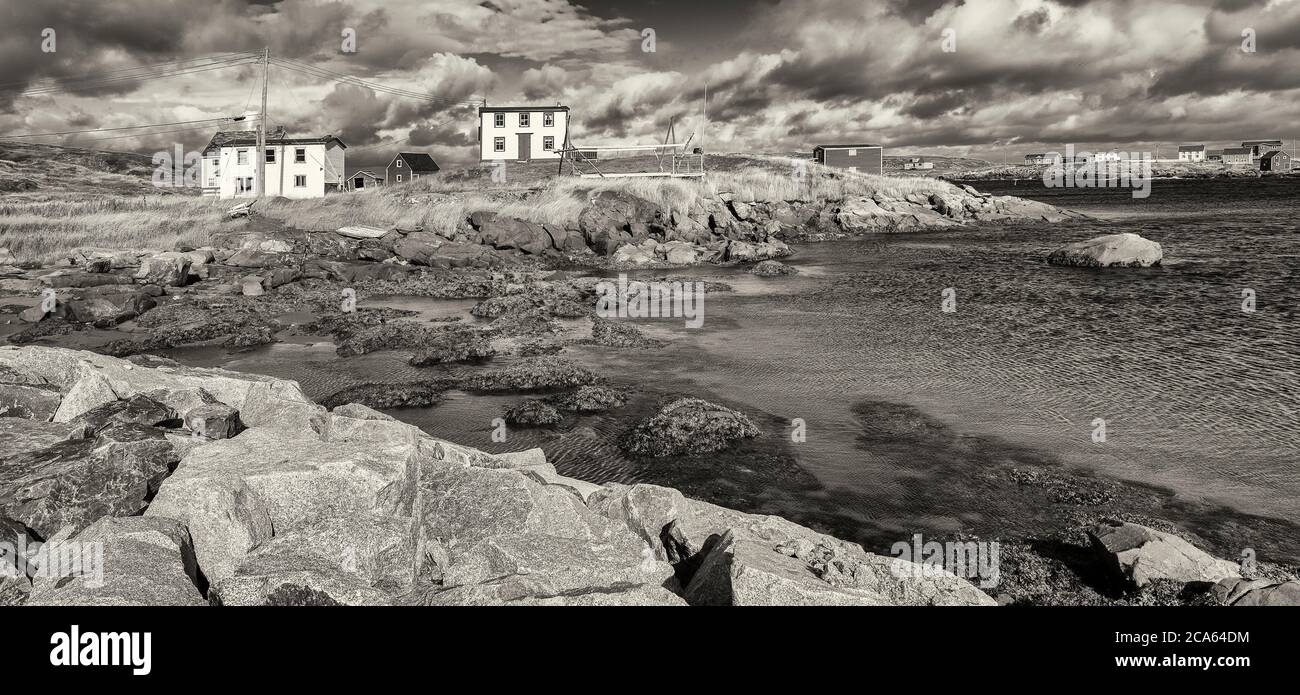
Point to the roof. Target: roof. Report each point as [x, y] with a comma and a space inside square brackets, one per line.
[1191, 148]
[248, 138]
[843, 147]
[1251, 143]
[1237, 150]
[1273, 154]
[553, 107]
[418, 161]
[364, 172]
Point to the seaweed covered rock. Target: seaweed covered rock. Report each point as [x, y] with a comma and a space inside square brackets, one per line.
[533, 413]
[689, 426]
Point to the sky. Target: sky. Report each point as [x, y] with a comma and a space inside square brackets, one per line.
[992, 79]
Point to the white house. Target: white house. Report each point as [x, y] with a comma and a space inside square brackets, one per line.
[521, 133]
[305, 167]
[1191, 153]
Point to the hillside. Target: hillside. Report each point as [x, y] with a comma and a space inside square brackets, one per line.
[32, 167]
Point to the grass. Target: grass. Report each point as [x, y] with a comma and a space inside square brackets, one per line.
[44, 226]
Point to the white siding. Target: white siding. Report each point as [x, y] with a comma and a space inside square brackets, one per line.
[322, 165]
[537, 133]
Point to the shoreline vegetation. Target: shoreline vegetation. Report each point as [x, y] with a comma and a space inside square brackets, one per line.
[197, 456]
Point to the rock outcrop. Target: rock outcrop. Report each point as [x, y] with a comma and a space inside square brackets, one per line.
[1118, 250]
[1135, 555]
[352, 507]
[689, 426]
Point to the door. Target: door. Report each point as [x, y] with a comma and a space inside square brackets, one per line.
[525, 146]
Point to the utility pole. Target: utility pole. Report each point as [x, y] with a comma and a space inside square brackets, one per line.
[259, 157]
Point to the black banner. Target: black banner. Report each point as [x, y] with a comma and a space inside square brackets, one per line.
[308, 645]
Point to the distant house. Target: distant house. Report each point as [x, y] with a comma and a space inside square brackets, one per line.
[363, 179]
[1238, 155]
[409, 166]
[296, 167]
[1191, 153]
[1036, 158]
[1214, 155]
[868, 159]
[915, 163]
[522, 133]
[1259, 148]
[1276, 160]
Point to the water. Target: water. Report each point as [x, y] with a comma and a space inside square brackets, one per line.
[914, 416]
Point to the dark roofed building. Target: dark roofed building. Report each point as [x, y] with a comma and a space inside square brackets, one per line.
[868, 159]
[1277, 160]
[409, 166]
[1238, 155]
[1261, 147]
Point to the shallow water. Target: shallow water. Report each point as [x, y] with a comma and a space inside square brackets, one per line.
[909, 409]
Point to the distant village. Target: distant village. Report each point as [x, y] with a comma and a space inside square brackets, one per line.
[312, 166]
[1260, 155]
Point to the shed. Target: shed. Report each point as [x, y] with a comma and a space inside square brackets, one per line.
[868, 159]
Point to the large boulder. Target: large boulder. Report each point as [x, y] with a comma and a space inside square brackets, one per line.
[689, 426]
[108, 309]
[726, 557]
[618, 211]
[133, 561]
[169, 269]
[1121, 250]
[33, 402]
[527, 538]
[88, 380]
[227, 490]
[1134, 555]
[19, 435]
[354, 559]
[75, 483]
[504, 232]
[1236, 591]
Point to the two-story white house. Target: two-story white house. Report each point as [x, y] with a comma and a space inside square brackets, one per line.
[306, 167]
[521, 133]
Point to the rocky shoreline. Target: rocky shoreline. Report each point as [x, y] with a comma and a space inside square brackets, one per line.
[209, 486]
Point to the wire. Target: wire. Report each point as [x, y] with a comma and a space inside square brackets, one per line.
[348, 79]
[119, 71]
[126, 127]
[135, 78]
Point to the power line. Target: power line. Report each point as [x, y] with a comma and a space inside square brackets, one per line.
[119, 71]
[348, 79]
[135, 78]
[127, 127]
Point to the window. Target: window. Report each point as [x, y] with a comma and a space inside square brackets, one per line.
[300, 155]
[270, 156]
[399, 162]
[241, 156]
[853, 153]
[548, 143]
[523, 120]
[548, 119]
[244, 184]
[399, 178]
[300, 181]
[498, 144]
[499, 120]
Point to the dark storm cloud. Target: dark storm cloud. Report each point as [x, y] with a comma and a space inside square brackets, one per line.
[781, 73]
